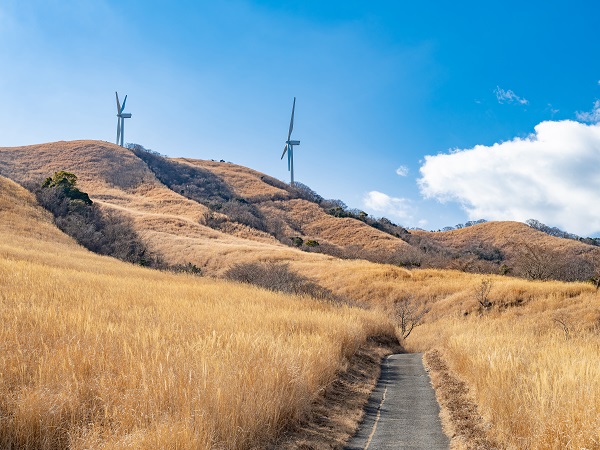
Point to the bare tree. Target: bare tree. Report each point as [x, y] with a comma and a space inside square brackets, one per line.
[408, 315]
[535, 261]
[594, 260]
[482, 292]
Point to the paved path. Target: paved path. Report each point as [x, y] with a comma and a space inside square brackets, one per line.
[402, 412]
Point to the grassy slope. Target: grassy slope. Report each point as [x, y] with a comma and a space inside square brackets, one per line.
[314, 222]
[101, 354]
[507, 236]
[172, 224]
[167, 221]
[491, 350]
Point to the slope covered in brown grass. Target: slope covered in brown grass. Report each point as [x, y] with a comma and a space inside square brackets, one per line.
[171, 224]
[97, 353]
[168, 222]
[536, 340]
[507, 236]
[300, 217]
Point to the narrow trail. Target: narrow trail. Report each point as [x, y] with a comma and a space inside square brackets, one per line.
[402, 412]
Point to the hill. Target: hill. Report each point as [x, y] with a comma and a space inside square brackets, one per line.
[175, 226]
[98, 353]
[519, 247]
[215, 215]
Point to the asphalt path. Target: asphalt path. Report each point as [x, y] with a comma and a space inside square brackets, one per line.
[402, 412]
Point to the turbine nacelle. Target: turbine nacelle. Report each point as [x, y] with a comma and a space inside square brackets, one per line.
[293, 142]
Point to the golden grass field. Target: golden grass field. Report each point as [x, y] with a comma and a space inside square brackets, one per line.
[533, 370]
[100, 354]
[96, 353]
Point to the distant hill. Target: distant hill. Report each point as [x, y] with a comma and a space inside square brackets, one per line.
[215, 215]
[515, 243]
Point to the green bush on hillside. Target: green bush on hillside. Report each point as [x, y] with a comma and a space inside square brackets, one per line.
[103, 232]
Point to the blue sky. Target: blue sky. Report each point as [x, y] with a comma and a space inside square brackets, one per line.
[392, 96]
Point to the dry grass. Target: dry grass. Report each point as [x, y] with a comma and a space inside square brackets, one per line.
[536, 384]
[308, 219]
[337, 414]
[461, 420]
[95, 353]
[504, 235]
[244, 182]
[314, 223]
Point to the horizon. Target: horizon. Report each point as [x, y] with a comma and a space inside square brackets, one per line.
[430, 115]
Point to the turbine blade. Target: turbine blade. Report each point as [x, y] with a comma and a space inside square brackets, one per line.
[290, 160]
[118, 103]
[292, 120]
[123, 107]
[118, 130]
[284, 150]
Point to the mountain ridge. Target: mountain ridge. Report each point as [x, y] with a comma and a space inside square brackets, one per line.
[217, 214]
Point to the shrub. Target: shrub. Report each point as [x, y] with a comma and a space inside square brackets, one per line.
[408, 315]
[103, 232]
[300, 190]
[277, 277]
[186, 268]
[64, 182]
[297, 241]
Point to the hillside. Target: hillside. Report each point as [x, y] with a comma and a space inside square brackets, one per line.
[215, 215]
[173, 225]
[148, 354]
[520, 246]
[503, 235]
[299, 216]
[168, 222]
[98, 353]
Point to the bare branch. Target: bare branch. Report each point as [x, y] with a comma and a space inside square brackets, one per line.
[482, 292]
[408, 315]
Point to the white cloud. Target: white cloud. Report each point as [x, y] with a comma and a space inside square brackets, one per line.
[395, 207]
[402, 171]
[551, 176]
[508, 96]
[592, 116]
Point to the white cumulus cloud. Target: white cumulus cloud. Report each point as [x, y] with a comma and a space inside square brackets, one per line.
[508, 96]
[391, 207]
[552, 176]
[402, 171]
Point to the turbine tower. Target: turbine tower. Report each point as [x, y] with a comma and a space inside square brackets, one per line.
[289, 146]
[121, 116]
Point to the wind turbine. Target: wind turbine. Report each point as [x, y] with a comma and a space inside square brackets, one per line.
[289, 146]
[121, 116]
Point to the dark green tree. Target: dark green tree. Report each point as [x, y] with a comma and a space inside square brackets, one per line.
[65, 182]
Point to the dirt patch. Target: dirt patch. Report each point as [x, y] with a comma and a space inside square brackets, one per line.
[337, 413]
[460, 418]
